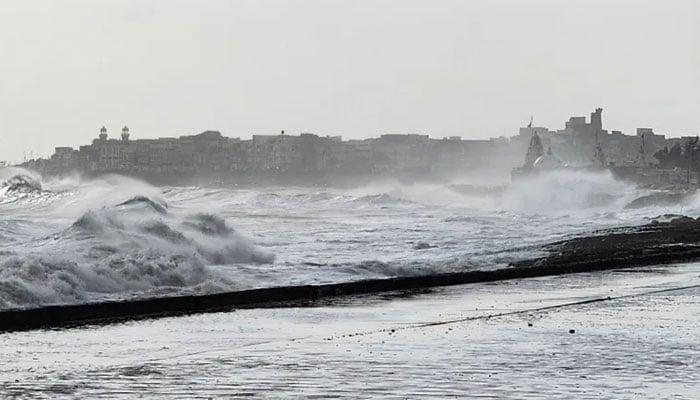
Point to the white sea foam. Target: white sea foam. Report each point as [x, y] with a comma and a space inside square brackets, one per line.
[116, 247]
[78, 240]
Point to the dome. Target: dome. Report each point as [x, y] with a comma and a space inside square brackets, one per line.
[548, 161]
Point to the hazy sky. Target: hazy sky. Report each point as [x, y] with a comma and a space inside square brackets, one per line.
[354, 68]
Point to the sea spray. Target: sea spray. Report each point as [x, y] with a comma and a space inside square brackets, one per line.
[131, 246]
[79, 240]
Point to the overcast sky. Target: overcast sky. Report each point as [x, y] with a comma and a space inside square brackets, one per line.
[352, 68]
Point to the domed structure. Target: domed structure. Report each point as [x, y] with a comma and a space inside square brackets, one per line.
[548, 161]
[534, 151]
[103, 133]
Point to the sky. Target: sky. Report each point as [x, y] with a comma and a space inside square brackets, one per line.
[356, 68]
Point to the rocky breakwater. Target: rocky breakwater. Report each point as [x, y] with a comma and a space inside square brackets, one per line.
[672, 241]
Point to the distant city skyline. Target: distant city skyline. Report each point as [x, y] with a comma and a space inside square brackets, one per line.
[117, 134]
[359, 69]
[582, 143]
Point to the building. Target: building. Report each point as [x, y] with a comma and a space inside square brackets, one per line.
[64, 159]
[581, 142]
[112, 154]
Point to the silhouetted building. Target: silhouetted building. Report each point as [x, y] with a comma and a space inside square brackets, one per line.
[580, 143]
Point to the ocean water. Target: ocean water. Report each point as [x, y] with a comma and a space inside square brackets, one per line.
[75, 240]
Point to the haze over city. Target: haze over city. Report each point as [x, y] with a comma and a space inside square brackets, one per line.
[357, 69]
[349, 199]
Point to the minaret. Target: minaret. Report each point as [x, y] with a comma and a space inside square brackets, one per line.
[125, 133]
[103, 133]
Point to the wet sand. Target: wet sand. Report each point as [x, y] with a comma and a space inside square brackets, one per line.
[507, 339]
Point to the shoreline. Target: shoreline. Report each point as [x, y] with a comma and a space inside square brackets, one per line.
[656, 243]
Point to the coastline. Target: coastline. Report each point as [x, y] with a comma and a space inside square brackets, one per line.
[656, 243]
[491, 340]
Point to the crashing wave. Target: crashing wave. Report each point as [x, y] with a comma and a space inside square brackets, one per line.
[21, 183]
[554, 192]
[41, 280]
[204, 236]
[133, 248]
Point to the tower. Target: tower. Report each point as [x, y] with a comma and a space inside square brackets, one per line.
[597, 121]
[125, 133]
[103, 133]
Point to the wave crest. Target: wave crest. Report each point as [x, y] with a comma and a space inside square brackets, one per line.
[135, 247]
[21, 183]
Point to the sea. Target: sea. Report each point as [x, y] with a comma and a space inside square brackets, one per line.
[75, 240]
[616, 334]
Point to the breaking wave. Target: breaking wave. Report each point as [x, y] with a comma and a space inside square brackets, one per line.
[21, 183]
[18, 185]
[554, 192]
[135, 247]
[77, 240]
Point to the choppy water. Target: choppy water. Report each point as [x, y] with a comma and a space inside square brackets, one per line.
[76, 240]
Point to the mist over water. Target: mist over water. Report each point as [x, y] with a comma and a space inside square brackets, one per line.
[78, 240]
